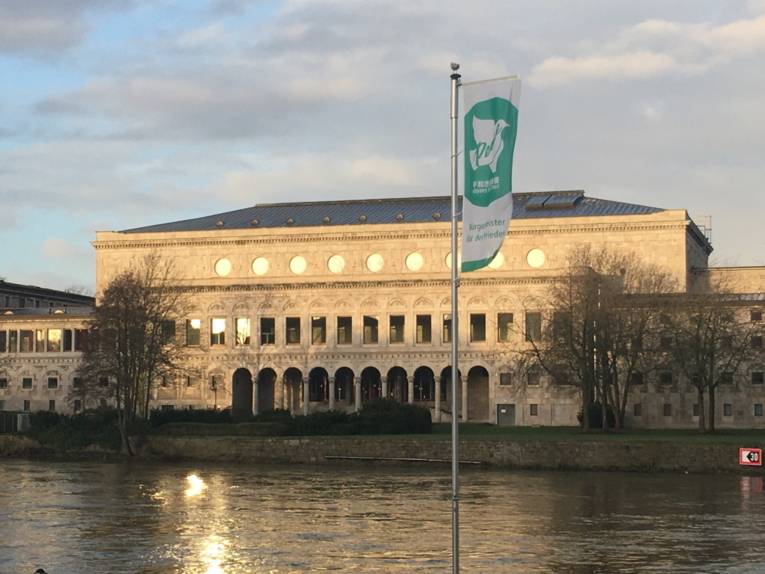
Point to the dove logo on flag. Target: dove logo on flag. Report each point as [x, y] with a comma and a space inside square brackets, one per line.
[488, 136]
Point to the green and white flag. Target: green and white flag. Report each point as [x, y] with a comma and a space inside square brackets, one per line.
[491, 125]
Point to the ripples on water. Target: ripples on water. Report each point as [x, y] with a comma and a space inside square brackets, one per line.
[150, 519]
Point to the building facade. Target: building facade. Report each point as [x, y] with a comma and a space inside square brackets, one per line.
[326, 305]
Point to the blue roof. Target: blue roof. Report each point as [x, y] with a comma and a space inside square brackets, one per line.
[394, 210]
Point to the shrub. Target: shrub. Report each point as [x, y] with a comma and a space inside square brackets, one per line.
[63, 433]
[160, 417]
[322, 423]
[387, 416]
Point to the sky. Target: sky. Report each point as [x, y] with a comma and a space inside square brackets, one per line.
[121, 113]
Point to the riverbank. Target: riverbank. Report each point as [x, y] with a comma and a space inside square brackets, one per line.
[533, 449]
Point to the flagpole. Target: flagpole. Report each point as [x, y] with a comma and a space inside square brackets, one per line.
[455, 77]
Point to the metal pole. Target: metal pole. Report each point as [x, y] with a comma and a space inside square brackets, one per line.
[455, 333]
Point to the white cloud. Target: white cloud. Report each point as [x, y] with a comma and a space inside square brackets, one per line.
[558, 71]
[654, 48]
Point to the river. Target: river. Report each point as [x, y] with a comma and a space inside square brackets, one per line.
[87, 518]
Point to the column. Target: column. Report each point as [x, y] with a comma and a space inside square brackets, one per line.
[331, 393]
[255, 397]
[357, 392]
[305, 396]
[289, 389]
[464, 406]
[438, 400]
[384, 387]
[285, 394]
[410, 390]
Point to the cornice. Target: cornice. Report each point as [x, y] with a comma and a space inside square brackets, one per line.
[346, 237]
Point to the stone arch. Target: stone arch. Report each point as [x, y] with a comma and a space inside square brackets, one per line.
[370, 303]
[424, 385]
[318, 385]
[423, 302]
[398, 384]
[241, 308]
[317, 304]
[216, 308]
[396, 302]
[293, 382]
[446, 388]
[477, 301]
[241, 394]
[266, 385]
[478, 394]
[371, 384]
[344, 387]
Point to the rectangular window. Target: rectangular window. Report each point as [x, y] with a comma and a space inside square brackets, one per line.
[40, 341]
[505, 378]
[371, 326]
[13, 341]
[727, 410]
[81, 339]
[318, 330]
[3, 383]
[193, 332]
[756, 316]
[3, 341]
[758, 409]
[423, 329]
[190, 381]
[54, 340]
[756, 341]
[446, 329]
[344, 331]
[168, 329]
[636, 378]
[396, 334]
[533, 410]
[218, 331]
[696, 409]
[27, 405]
[267, 330]
[667, 409]
[293, 330]
[77, 405]
[758, 377]
[243, 331]
[103, 382]
[51, 405]
[504, 327]
[665, 343]
[637, 410]
[726, 378]
[52, 382]
[665, 377]
[26, 383]
[27, 342]
[533, 326]
[477, 327]
[68, 344]
[533, 377]
[216, 382]
[77, 382]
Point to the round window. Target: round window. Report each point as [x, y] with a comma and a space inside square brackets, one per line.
[535, 258]
[222, 267]
[298, 264]
[336, 264]
[375, 262]
[414, 261]
[260, 266]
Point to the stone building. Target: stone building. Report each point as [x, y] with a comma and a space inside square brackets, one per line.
[17, 296]
[326, 305]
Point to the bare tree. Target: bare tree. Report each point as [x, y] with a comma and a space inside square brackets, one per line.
[603, 310]
[132, 339]
[713, 339]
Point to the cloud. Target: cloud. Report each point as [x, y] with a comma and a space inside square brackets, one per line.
[655, 48]
[559, 71]
[57, 248]
[45, 27]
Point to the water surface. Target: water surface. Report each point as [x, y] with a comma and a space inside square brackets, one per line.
[119, 518]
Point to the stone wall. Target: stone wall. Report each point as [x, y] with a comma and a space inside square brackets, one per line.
[580, 454]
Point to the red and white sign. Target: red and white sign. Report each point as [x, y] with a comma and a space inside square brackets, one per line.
[750, 456]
